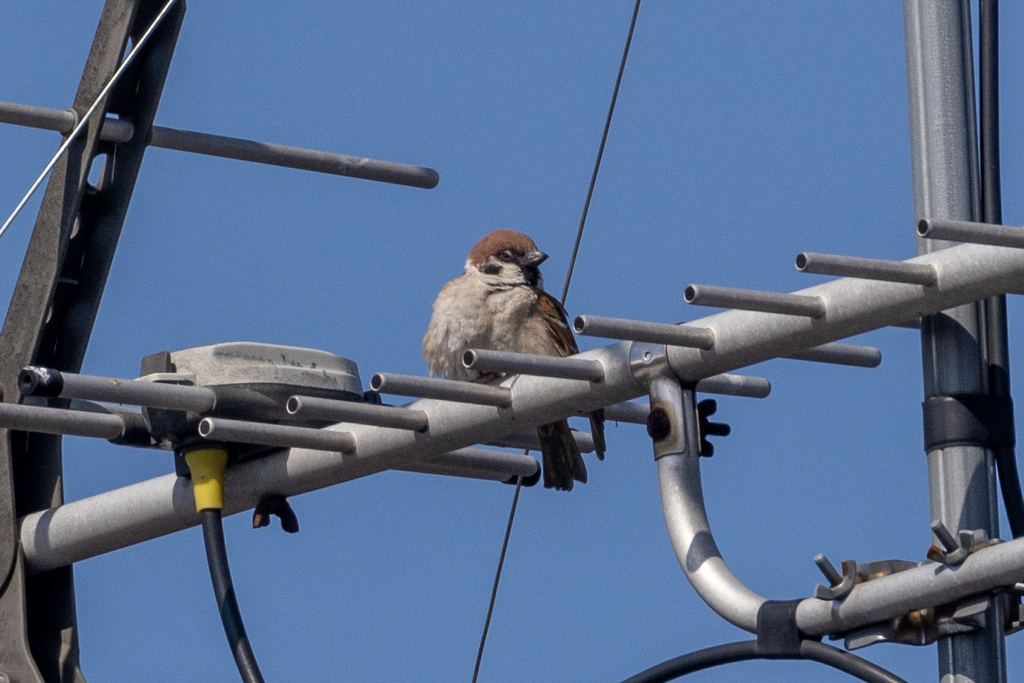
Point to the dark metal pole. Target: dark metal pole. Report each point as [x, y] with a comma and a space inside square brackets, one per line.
[943, 140]
[51, 315]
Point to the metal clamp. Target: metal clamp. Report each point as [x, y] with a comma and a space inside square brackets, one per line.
[923, 627]
[954, 551]
[840, 585]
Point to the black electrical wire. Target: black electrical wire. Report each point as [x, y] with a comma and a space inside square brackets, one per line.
[217, 557]
[565, 293]
[988, 49]
[497, 578]
[600, 153]
[992, 212]
[745, 650]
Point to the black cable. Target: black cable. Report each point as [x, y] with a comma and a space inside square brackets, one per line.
[565, 293]
[847, 662]
[745, 650]
[497, 578]
[600, 153]
[217, 556]
[992, 212]
[988, 49]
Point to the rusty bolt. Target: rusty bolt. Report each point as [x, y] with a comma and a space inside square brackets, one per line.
[659, 425]
[833, 577]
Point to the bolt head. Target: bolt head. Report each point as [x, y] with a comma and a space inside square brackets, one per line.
[659, 425]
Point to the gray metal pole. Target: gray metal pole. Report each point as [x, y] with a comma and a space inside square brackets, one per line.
[943, 143]
[120, 130]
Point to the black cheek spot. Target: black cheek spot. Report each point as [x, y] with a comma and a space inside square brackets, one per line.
[490, 269]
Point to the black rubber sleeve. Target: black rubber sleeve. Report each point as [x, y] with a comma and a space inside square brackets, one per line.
[217, 556]
[747, 650]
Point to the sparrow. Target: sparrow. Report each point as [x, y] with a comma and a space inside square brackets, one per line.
[499, 303]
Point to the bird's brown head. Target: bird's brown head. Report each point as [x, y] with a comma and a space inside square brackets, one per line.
[507, 256]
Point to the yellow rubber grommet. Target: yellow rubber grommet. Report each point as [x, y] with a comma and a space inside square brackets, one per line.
[207, 467]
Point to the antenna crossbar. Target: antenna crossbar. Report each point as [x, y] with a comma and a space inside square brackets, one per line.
[120, 131]
[106, 522]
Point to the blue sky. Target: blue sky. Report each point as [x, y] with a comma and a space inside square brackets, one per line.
[745, 133]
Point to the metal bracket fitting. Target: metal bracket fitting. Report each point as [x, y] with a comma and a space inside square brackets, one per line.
[955, 551]
[923, 627]
[647, 361]
[841, 584]
[672, 422]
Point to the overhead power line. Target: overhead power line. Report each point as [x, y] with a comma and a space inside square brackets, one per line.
[565, 293]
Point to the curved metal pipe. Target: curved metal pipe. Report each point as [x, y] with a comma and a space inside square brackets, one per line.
[682, 502]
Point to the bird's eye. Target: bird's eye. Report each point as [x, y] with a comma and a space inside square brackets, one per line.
[505, 256]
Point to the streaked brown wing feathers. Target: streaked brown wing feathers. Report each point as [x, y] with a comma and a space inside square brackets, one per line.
[560, 330]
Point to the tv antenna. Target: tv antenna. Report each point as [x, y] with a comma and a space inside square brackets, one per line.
[252, 424]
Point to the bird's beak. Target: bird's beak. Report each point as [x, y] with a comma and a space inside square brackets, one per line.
[534, 258]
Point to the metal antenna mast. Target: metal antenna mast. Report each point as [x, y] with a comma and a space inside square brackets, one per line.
[944, 148]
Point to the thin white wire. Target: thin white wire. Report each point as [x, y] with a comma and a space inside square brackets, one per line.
[85, 117]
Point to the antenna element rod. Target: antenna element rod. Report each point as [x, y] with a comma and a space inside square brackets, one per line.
[753, 300]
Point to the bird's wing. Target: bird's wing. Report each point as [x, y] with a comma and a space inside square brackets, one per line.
[560, 330]
[566, 345]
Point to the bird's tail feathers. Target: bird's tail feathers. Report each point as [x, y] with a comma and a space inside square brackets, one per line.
[563, 463]
[597, 431]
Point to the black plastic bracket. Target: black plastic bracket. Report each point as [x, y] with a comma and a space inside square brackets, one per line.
[275, 504]
[706, 428]
[968, 419]
[157, 363]
[777, 633]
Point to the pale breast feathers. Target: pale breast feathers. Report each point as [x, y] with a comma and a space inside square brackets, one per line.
[459, 321]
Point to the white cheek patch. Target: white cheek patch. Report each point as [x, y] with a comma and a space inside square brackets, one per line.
[496, 272]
